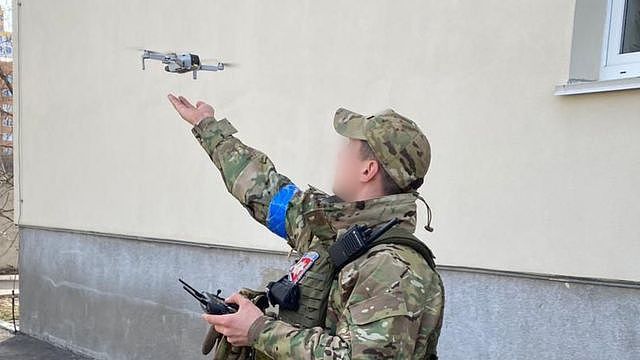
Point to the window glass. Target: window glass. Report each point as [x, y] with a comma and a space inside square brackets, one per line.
[631, 30]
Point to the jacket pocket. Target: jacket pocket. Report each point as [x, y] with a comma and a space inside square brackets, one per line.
[378, 307]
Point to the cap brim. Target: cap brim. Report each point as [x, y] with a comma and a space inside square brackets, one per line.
[350, 124]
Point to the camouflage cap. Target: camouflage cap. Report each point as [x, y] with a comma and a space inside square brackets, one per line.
[398, 143]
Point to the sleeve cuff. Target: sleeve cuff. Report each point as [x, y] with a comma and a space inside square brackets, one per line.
[213, 131]
[257, 327]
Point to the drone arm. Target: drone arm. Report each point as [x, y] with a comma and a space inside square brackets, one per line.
[218, 67]
[154, 56]
[151, 55]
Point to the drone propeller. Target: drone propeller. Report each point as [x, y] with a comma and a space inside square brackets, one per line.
[136, 48]
[226, 64]
[141, 49]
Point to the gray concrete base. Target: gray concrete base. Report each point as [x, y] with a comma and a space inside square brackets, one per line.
[502, 317]
[112, 298]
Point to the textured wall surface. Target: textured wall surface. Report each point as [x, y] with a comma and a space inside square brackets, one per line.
[117, 298]
[514, 167]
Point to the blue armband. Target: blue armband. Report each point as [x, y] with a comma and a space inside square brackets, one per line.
[277, 218]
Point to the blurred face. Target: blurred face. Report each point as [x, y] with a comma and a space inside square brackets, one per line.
[348, 179]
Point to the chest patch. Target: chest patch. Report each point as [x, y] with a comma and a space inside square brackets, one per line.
[297, 270]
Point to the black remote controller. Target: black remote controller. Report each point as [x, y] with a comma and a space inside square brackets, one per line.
[211, 303]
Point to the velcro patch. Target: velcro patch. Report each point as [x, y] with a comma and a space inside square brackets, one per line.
[297, 270]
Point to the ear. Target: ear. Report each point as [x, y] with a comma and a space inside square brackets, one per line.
[369, 170]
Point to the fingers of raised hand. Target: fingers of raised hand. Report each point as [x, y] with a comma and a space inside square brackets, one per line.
[175, 101]
[186, 102]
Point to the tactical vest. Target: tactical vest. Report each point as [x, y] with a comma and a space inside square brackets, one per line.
[316, 282]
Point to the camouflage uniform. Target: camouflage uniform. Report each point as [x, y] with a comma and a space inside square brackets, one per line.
[388, 303]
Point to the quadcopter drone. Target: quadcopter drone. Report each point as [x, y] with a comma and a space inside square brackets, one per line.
[180, 63]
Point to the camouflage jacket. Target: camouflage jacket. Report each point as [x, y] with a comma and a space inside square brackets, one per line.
[386, 304]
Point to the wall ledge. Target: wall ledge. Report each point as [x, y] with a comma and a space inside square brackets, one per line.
[458, 268]
[576, 87]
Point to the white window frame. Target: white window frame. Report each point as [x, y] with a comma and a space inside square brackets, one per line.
[614, 64]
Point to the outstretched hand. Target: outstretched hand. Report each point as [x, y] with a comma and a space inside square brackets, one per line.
[191, 114]
[236, 326]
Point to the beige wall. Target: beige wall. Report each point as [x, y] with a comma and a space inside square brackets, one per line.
[520, 179]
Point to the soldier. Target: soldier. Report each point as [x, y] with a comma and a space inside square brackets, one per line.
[386, 303]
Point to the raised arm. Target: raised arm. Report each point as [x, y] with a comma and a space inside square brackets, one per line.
[248, 174]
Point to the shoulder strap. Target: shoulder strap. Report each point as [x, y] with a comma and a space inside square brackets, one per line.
[400, 236]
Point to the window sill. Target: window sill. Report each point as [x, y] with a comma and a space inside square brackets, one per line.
[576, 87]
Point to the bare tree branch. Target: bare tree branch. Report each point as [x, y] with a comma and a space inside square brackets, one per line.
[6, 81]
[13, 241]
